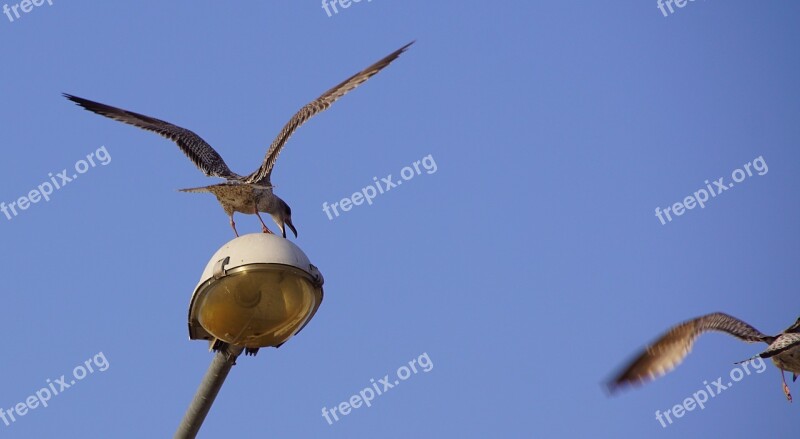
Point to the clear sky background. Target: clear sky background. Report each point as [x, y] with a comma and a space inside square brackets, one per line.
[528, 267]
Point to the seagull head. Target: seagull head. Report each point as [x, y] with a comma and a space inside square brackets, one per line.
[283, 217]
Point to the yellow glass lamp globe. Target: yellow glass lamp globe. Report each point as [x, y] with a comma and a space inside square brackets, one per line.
[257, 291]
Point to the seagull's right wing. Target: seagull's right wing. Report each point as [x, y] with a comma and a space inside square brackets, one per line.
[672, 347]
[782, 343]
[199, 152]
[318, 105]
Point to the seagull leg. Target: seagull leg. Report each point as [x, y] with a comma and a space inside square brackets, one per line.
[233, 226]
[263, 226]
[785, 387]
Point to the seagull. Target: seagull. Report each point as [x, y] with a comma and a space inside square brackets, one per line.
[673, 346]
[249, 194]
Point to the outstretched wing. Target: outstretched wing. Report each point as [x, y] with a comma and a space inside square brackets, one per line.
[672, 347]
[782, 343]
[317, 106]
[199, 152]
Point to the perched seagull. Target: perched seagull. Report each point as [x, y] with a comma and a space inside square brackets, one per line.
[249, 194]
[669, 350]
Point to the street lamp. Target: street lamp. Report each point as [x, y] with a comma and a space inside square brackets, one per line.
[257, 291]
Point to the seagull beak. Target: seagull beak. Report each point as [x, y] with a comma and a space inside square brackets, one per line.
[291, 226]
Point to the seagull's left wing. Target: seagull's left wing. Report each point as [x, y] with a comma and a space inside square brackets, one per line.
[672, 347]
[199, 152]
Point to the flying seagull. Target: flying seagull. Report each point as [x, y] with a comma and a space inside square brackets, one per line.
[249, 194]
[673, 346]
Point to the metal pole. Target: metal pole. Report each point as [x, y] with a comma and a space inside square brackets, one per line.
[207, 392]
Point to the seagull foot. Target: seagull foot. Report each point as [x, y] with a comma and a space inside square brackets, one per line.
[787, 393]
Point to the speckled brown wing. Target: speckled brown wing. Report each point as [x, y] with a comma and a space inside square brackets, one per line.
[672, 347]
[783, 343]
[322, 103]
[199, 152]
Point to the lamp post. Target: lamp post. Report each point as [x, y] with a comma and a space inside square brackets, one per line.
[257, 291]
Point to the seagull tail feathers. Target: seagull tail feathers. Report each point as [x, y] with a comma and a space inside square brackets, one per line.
[196, 189]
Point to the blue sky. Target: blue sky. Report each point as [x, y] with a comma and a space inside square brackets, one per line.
[527, 268]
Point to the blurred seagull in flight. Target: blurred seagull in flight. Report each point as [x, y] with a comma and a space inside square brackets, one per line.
[249, 194]
[669, 350]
